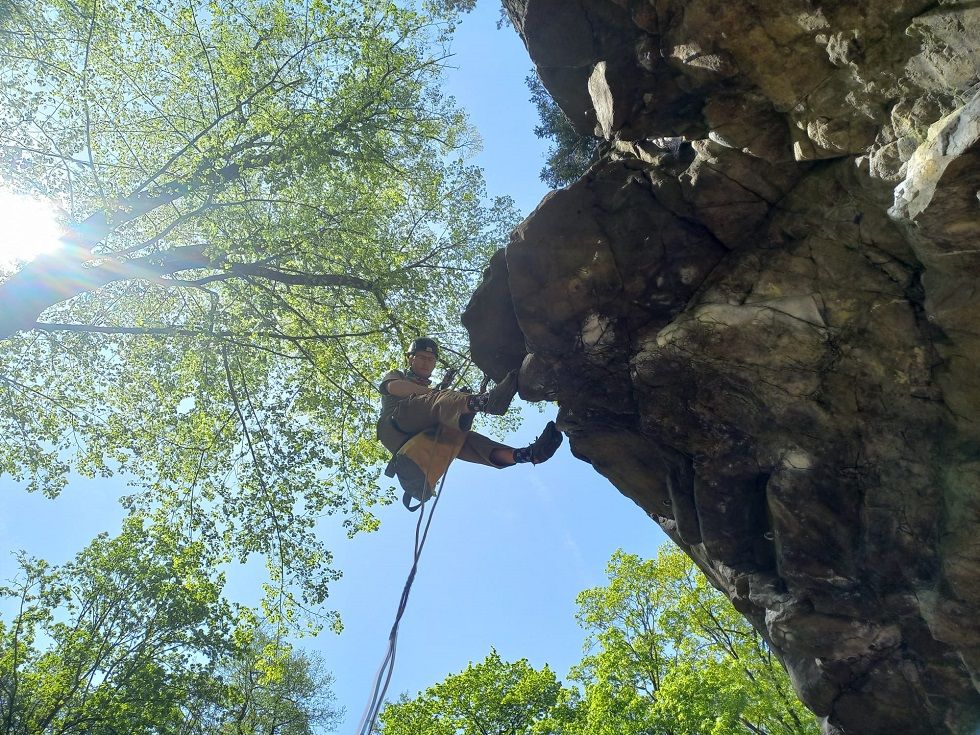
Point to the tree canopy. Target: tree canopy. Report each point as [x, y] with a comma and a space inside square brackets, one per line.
[569, 153]
[666, 654]
[133, 636]
[266, 199]
[493, 697]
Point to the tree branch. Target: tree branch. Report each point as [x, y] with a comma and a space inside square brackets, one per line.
[187, 332]
[52, 279]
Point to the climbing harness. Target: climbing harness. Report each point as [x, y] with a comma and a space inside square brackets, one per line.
[383, 677]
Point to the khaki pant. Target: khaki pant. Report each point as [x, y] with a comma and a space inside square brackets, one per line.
[418, 413]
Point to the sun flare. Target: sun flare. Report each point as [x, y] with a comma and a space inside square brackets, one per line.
[30, 228]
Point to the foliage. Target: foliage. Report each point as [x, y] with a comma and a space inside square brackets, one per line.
[570, 154]
[133, 637]
[267, 199]
[666, 655]
[270, 689]
[493, 697]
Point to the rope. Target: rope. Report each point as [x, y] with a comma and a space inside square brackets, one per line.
[383, 677]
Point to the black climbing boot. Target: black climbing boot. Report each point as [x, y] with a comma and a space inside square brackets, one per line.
[544, 447]
[497, 400]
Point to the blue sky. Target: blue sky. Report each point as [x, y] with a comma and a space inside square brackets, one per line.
[508, 550]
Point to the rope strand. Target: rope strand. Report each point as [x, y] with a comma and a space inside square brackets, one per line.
[387, 668]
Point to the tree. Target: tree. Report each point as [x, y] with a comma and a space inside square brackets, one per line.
[493, 697]
[570, 154]
[265, 200]
[270, 688]
[133, 637]
[110, 642]
[666, 655]
[669, 654]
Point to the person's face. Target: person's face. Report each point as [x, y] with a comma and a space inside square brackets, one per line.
[422, 363]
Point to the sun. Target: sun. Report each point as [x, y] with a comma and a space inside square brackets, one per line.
[29, 228]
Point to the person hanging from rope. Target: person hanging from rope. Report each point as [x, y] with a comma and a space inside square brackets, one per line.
[410, 405]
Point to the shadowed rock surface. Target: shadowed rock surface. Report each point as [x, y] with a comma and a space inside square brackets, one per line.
[760, 316]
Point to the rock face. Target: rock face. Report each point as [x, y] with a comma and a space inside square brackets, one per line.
[760, 316]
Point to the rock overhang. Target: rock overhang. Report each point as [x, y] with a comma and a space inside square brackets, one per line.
[765, 330]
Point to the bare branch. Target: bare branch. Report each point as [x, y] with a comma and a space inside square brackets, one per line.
[187, 332]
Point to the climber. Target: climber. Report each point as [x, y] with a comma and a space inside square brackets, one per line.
[410, 406]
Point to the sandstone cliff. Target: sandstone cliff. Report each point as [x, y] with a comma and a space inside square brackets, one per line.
[760, 316]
